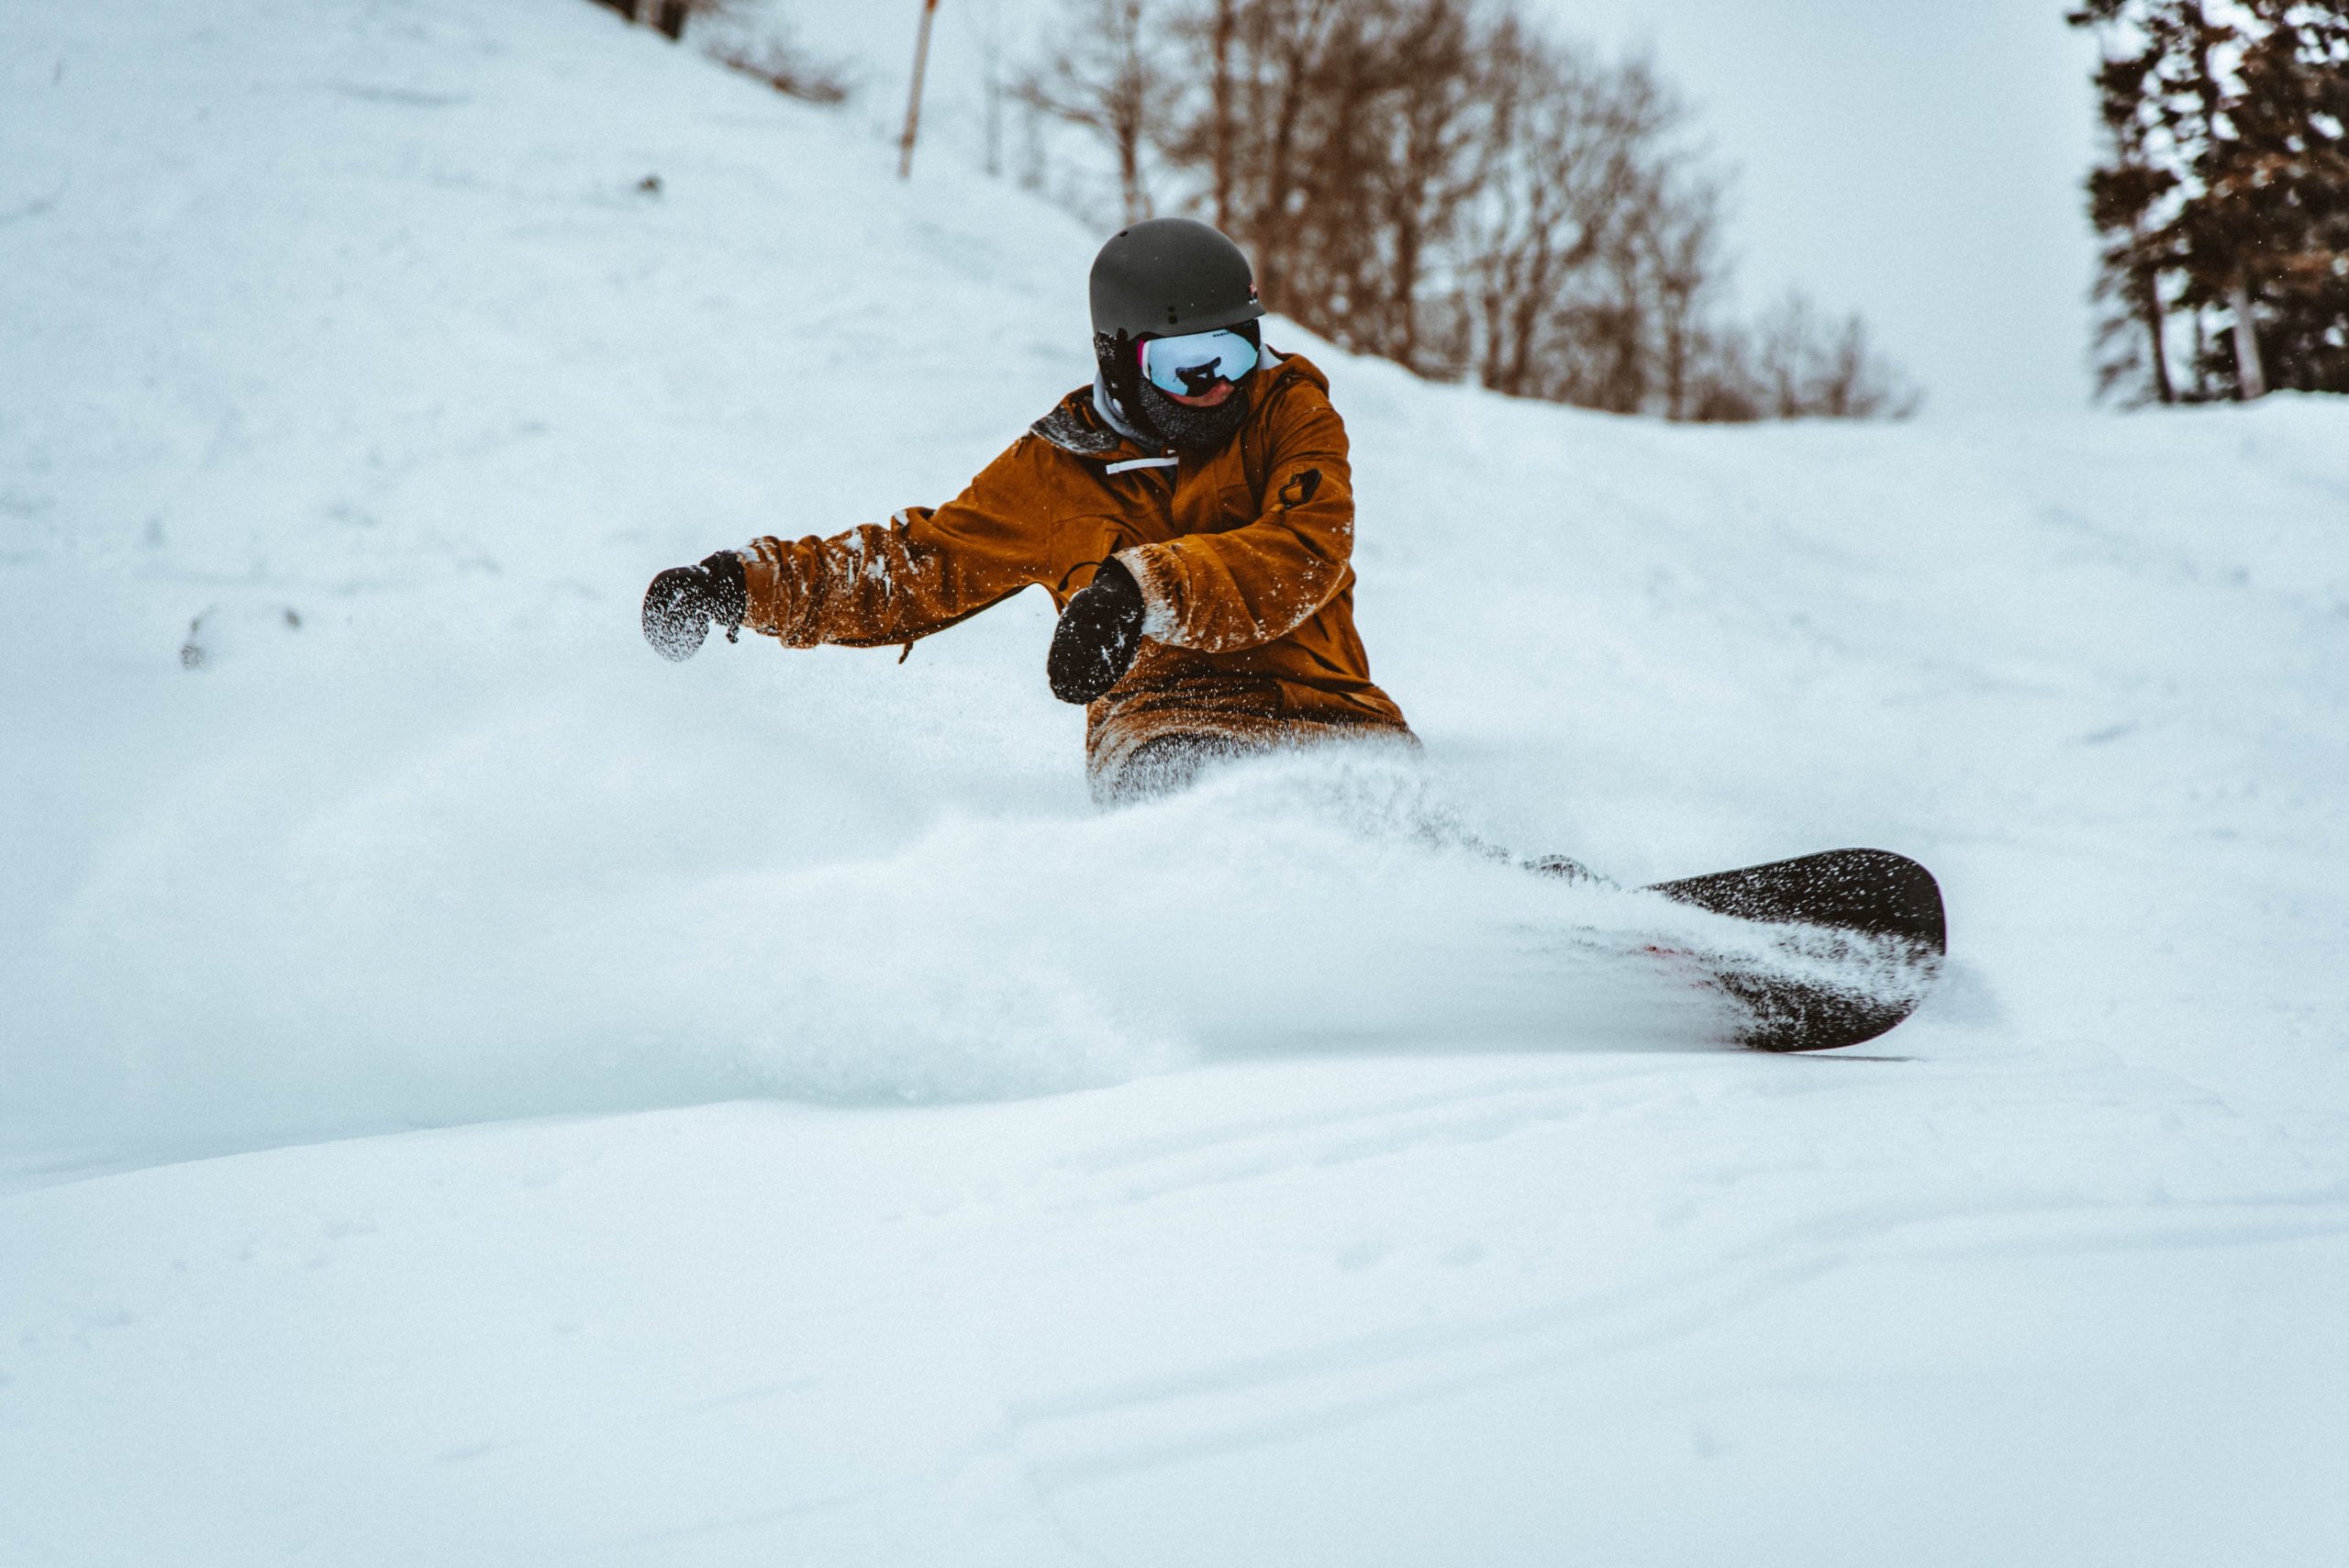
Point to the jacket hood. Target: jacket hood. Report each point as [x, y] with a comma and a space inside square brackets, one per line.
[1105, 404]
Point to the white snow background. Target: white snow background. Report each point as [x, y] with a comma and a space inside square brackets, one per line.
[472, 1093]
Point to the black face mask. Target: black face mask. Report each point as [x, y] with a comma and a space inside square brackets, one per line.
[1194, 430]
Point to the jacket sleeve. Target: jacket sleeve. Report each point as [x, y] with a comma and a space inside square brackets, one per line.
[921, 573]
[1220, 592]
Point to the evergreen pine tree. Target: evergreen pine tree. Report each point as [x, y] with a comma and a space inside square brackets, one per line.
[2277, 194]
[2125, 195]
[2224, 198]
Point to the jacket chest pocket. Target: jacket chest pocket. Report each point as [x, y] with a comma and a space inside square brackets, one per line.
[1216, 509]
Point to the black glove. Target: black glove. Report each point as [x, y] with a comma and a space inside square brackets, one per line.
[685, 600]
[1095, 643]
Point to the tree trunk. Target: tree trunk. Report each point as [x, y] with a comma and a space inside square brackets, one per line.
[1131, 117]
[2251, 376]
[1130, 188]
[1227, 24]
[2149, 291]
[672, 19]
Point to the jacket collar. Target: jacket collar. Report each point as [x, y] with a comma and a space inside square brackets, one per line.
[1076, 426]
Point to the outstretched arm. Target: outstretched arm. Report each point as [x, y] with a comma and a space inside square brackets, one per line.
[921, 573]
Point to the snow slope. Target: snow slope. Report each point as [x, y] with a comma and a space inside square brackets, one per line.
[839, 1144]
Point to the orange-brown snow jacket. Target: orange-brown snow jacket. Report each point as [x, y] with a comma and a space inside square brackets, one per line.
[1243, 557]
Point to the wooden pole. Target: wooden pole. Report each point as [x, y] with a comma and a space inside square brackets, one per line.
[913, 99]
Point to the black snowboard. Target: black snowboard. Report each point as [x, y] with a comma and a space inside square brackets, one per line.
[1876, 914]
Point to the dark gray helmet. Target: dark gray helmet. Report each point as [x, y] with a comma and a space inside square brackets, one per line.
[1165, 276]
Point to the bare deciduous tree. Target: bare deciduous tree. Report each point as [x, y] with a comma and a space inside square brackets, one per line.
[1419, 176]
[1441, 183]
[1106, 78]
[1680, 253]
[1572, 164]
[1807, 364]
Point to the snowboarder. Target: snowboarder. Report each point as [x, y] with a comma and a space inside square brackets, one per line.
[1199, 489]
[1191, 513]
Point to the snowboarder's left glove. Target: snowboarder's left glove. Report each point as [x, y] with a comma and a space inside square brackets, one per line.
[1094, 645]
[685, 600]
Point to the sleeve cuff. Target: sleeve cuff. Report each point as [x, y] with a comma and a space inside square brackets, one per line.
[1160, 617]
[763, 588]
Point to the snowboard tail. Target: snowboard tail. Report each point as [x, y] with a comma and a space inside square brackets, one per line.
[1877, 916]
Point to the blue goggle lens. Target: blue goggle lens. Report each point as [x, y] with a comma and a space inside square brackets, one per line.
[1196, 361]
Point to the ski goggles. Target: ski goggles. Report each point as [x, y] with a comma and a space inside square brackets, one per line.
[1192, 363]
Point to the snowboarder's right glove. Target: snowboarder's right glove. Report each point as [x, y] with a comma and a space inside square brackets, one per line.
[1093, 646]
[685, 600]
